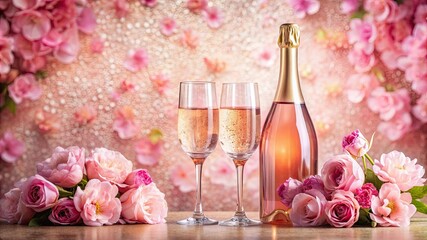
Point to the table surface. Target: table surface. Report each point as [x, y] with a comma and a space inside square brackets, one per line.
[171, 230]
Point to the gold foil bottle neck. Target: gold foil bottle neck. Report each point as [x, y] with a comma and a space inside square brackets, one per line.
[289, 36]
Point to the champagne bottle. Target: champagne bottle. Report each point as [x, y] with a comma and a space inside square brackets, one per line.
[288, 146]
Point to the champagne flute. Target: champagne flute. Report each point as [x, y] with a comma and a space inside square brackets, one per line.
[198, 134]
[239, 135]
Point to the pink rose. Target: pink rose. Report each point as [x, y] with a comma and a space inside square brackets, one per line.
[396, 127]
[13, 210]
[391, 208]
[39, 194]
[308, 209]
[355, 144]
[10, 148]
[362, 34]
[304, 7]
[342, 210]
[145, 204]
[342, 172]
[364, 195]
[388, 104]
[136, 178]
[6, 55]
[33, 25]
[288, 190]
[380, 9]
[64, 213]
[314, 182]
[97, 203]
[24, 87]
[359, 86]
[361, 61]
[107, 165]
[65, 168]
[420, 110]
[395, 167]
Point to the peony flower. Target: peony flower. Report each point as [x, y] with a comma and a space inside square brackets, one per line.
[34, 64]
[314, 182]
[124, 123]
[362, 34]
[342, 210]
[389, 104]
[355, 144]
[46, 122]
[145, 204]
[121, 8]
[304, 7]
[392, 208]
[4, 27]
[342, 172]
[420, 109]
[361, 61]
[38, 193]
[380, 9]
[161, 83]
[97, 203]
[136, 60]
[135, 179]
[364, 195]
[10, 148]
[23, 87]
[349, 6]
[214, 65]
[28, 4]
[64, 213]
[266, 57]
[33, 25]
[288, 190]
[25, 48]
[147, 152]
[168, 26]
[396, 127]
[148, 3]
[308, 209]
[67, 50]
[197, 6]
[213, 16]
[421, 13]
[221, 172]
[85, 114]
[65, 168]
[359, 86]
[189, 39]
[107, 165]
[395, 167]
[13, 210]
[86, 21]
[183, 175]
[6, 55]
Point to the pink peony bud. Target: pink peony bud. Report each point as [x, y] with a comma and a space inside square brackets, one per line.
[135, 179]
[65, 213]
[355, 144]
[364, 194]
[288, 190]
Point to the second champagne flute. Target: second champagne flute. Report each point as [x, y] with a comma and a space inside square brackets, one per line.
[239, 135]
[198, 134]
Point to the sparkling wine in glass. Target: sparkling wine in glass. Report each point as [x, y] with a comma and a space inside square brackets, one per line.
[198, 134]
[239, 135]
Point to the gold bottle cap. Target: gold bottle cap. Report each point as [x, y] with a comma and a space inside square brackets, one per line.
[289, 36]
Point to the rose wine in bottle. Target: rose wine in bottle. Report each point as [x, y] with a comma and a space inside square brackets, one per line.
[288, 146]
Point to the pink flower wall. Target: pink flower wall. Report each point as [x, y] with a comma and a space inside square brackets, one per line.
[121, 90]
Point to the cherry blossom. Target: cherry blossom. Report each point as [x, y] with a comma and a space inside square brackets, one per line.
[136, 60]
[124, 123]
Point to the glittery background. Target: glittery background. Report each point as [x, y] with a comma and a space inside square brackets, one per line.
[91, 79]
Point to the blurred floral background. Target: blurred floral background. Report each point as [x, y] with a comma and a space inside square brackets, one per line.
[106, 74]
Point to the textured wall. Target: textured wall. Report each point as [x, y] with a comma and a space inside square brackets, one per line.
[247, 30]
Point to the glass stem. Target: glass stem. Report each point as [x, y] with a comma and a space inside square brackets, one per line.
[198, 211]
[239, 168]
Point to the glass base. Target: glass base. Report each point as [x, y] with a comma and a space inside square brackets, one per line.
[197, 221]
[240, 221]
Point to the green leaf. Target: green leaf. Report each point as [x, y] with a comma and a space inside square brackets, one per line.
[359, 14]
[41, 74]
[418, 192]
[40, 219]
[399, 1]
[10, 104]
[34, 222]
[364, 219]
[421, 207]
[372, 178]
[82, 184]
[64, 193]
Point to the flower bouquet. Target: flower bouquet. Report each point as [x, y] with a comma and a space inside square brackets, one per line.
[387, 194]
[70, 188]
